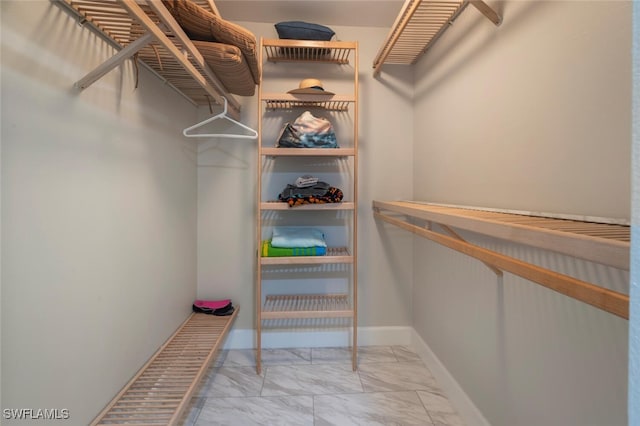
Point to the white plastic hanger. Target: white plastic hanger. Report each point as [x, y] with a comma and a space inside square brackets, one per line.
[222, 115]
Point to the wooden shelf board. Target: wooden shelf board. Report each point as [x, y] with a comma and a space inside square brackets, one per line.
[278, 205]
[306, 98]
[330, 52]
[307, 306]
[334, 255]
[287, 101]
[308, 152]
[585, 240]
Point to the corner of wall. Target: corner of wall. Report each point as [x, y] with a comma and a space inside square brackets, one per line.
[465, 407]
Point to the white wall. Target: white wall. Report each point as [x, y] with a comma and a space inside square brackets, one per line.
[227, 182]
[532, 115]
[98, 216]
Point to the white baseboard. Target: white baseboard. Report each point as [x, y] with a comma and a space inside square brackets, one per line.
[459, 399]
[367, 336]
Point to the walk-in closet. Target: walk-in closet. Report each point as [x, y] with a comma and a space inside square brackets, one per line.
[232, 212]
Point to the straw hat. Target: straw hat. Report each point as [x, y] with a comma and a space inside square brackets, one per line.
[310, 86]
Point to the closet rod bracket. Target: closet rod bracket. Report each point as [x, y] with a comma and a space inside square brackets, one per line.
[487, 11]
[117, 59]
[457, 236]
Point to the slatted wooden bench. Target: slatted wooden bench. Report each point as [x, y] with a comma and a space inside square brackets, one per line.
[161, 391]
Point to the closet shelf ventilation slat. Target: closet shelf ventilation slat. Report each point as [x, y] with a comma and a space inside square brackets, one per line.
[307, 306]
[604, 243]
[280, 206]
[146, 31]
[162, 389]
[283, 50]
[287, 101]
[335, 255]
[418, 25]
[308, 152]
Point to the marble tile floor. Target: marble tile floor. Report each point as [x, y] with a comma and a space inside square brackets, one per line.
[317, 387]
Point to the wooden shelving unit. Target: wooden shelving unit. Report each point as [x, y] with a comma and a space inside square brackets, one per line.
[306, 307]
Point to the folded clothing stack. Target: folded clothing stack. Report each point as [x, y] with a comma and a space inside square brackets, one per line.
[295, 241]
[306, 181]
[310, 190]
[213, 307]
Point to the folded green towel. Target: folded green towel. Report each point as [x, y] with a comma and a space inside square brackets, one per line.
[270, 251]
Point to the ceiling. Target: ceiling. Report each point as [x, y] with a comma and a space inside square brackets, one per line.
[354, 13]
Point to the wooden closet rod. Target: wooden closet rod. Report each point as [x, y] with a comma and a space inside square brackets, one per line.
[602, 298]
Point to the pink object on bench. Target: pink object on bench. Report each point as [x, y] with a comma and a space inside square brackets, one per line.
[212, 304]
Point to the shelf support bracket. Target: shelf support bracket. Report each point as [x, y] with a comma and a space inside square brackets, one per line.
[117, 59]
[457, 236]
[487, 11]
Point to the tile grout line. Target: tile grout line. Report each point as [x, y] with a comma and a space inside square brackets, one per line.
[378, 357]
[425, 408]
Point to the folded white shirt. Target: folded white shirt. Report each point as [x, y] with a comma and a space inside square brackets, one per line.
[305, 181]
